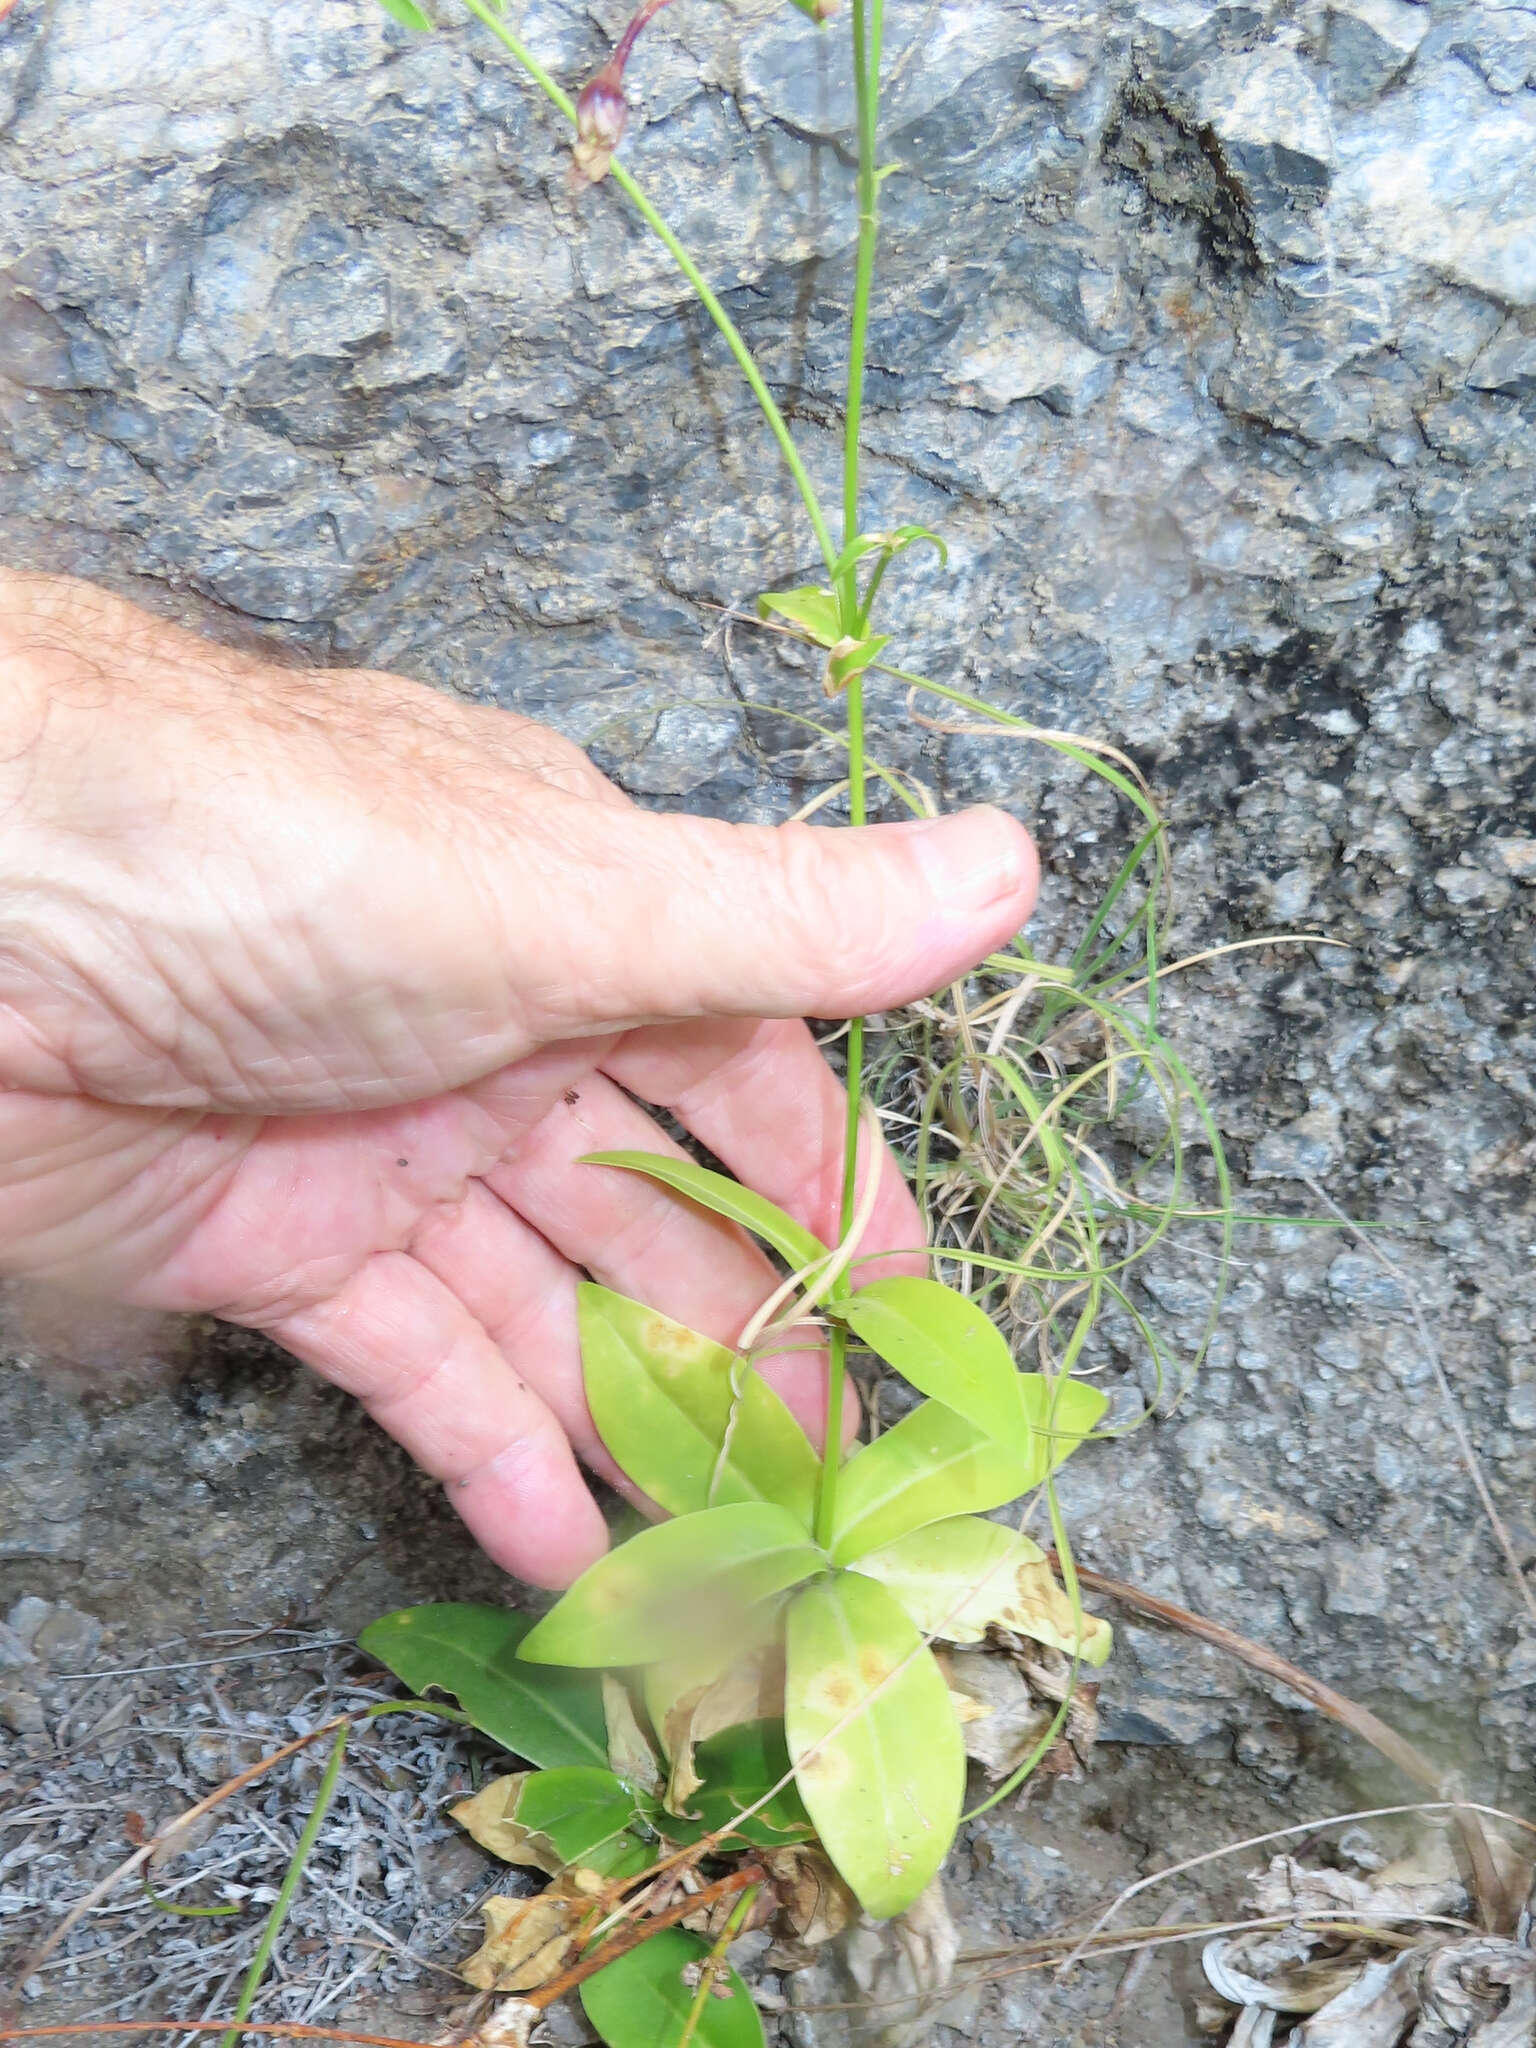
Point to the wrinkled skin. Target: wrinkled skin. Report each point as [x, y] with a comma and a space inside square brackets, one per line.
[314, 988]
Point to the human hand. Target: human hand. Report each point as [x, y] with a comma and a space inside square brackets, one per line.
[314, 988]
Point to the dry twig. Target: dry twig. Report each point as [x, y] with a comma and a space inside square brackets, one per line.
[1498, 1912]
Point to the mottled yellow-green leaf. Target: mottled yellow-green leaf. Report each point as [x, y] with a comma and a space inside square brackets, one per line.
[878, 1753]
[672, 1587]
[664, 1398]
[947, 1347]
[956, 1579]
[935, 1464]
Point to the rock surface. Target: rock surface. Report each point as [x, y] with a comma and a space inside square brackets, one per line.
[1207, 336]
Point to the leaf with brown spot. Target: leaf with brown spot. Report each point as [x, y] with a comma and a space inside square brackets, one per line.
[877, 1749]
[960, 1577]
[665, 1401]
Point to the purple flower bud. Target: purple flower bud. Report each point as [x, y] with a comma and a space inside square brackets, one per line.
[601, 112]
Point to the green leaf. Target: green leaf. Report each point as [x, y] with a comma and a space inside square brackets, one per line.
[471, 1652]
[934, 1464]
[908, 536]
[662, 1398]
[843, 667]
[588, 1815]
[957, 1579]
[643, 1999]
[897, 541]
[1062, 1412]
[946, 1346]
[810, 607]
[737, 1767]
[408, 14]
[794, 1244]
[674, 1585]
[551, 1820]
[885, 1791]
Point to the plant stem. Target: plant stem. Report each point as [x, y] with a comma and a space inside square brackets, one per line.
[1489, 1890]
[867, 34]
[286, 1890]
[636, 1931]
[866, 80]
[633, 191]
[710, 1973]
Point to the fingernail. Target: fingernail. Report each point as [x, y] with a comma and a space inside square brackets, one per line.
[977, 861]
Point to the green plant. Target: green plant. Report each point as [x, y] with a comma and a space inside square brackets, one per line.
[756, 1674]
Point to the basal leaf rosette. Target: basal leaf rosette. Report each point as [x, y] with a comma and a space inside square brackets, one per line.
[732, 1618]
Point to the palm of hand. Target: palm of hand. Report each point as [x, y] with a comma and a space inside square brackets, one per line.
[426, 1256]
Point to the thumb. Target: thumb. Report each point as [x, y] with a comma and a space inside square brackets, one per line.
[701, 918]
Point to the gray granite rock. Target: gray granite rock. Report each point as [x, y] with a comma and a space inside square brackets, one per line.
[1204, 335]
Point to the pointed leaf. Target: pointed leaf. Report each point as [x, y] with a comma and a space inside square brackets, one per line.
[736, 1768]
[643, 1999]
[959, 1578]
[946, 1346]
[793, 1243]
[814, 609]
[551, 1819]
[408, 14]
[663, 1398]
[1062, 1414]
[908, 536]
[470, 1652]
[878, 1755]
[934, 1464]
[896, 542]
[671, 1586]
[850, 658]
